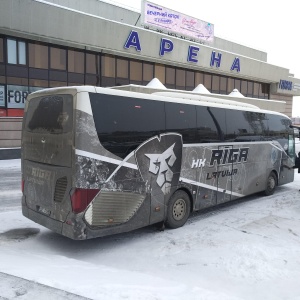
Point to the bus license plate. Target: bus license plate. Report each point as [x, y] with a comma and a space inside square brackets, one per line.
[44, 211]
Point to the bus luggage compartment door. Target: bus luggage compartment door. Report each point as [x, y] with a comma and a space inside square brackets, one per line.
[225, 170]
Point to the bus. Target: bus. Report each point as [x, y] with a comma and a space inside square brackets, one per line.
[100, 161]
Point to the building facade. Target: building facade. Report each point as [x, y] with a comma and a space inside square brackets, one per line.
[60, 42]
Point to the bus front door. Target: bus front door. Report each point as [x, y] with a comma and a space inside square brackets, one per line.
[225, 170]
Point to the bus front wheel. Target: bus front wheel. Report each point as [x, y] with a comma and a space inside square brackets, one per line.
[271, 184]
[178, 210]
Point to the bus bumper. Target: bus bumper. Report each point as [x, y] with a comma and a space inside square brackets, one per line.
[72, 231]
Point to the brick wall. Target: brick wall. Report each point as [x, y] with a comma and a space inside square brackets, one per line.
[10, 132]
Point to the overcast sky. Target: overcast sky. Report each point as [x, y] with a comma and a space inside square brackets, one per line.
[270, 26]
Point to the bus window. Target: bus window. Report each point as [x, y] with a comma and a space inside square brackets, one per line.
[255, 125]
[278, 129]
[278, 125]
[50, 114]
[181, 118]
[263, 121]
[123, 123]
[207, 125]
[218, 120]
[291, 146]
[237, 125]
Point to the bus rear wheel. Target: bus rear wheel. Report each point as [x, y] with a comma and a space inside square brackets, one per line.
[178, 210]
[271, 184]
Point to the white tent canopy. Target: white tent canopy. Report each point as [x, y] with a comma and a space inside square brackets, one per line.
[155, 83]
[201, 89]
[236, 93]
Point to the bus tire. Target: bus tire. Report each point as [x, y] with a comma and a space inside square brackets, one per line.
[179, 208]
[271, 184]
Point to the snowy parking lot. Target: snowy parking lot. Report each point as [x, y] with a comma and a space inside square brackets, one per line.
[249, 249]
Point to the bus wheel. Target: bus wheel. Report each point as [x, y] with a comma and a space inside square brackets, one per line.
[178, 210]
[271, 184]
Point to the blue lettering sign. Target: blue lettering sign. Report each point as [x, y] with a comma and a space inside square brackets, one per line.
[165, 46]
[157, 13]
[18, 97]
[214, 59]
[236, 65]
[11, 95]
[285, 85]
[133, 40]
[193, 53]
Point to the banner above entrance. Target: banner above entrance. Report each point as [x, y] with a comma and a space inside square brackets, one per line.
[172, 22]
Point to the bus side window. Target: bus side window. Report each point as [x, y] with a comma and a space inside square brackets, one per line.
[256, 126]
[237, 126]
[291, 146]
[211, 124]
[123, 123]
[262, 119]
[181, 118]
[279, 129]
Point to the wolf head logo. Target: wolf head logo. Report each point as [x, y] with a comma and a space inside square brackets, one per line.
[159, 162]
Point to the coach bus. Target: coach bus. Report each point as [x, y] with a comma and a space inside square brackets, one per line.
[99, 161]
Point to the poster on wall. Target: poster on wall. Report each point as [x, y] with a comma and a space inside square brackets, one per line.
[17, 95]
[2, 99]
[169, 21]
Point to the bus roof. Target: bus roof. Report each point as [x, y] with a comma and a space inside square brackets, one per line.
[160, 96]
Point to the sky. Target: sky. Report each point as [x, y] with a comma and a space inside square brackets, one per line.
[245, 251]
[270, 26]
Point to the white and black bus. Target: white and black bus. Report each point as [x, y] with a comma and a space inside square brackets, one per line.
[98, 161]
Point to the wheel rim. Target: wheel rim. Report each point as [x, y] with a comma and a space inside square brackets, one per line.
[271, 183]
[179, 209]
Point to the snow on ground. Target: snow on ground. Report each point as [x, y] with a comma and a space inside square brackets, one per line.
[249, 249]
[10, 163]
